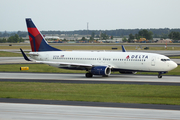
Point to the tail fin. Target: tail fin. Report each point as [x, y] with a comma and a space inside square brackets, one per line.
[37, 41]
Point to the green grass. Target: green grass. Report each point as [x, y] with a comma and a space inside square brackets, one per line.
[175, 57]
[36, 68]
[9, 54]
[15, 47]
[49, 69]
[118, 93]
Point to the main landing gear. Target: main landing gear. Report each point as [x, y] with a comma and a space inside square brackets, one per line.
[159, 75]
[89, 75]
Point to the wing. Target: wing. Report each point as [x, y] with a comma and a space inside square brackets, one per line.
[60, 64]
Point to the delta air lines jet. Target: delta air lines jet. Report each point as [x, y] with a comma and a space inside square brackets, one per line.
[95, 63]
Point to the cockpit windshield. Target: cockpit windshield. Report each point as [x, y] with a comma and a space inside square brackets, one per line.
[165, 59]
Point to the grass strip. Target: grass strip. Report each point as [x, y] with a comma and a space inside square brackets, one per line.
[175, 57]
[9, 54]
[117, 93]
[39, 68]
[43, 68]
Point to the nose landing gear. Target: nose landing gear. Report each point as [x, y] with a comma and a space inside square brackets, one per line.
[160, 74]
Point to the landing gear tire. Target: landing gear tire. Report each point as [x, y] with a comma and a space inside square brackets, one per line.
[159, 75]
[105, 76]
[89, 75]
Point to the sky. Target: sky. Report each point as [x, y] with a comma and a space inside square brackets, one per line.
[70, 15]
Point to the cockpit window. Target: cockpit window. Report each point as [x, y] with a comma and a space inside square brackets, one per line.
[165, 59]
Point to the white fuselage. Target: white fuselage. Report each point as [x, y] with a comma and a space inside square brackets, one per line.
[136, 61]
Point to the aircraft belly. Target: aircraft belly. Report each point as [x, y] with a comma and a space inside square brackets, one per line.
[133, 66]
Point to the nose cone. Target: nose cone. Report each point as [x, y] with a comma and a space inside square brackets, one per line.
[173, 65]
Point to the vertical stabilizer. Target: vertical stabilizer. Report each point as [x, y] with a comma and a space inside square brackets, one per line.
[37, 41]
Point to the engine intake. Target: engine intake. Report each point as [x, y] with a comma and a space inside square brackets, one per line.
[101, 70]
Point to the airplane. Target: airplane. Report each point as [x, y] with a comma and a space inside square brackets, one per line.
[95, 62]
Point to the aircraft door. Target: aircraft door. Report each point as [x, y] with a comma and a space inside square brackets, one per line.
[153, 60]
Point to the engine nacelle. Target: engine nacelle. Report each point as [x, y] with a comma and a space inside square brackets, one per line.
[101, 70]
[127, 72]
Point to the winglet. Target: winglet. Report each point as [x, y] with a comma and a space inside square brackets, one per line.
[24, 55]
[123, 49]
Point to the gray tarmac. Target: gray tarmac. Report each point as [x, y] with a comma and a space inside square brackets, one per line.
[17, 111]
[81, 77]
[23, 109]
[20, 109]
[13, 60]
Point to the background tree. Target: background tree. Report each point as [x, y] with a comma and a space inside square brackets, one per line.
[83, 38]
[2, 40]
[131, 38]
[164, 36]
[145, 34]
[15, 39]
[124, 39]
[91, 38]
[174, 35]
[104, 36]
[137, 36]
[22, 34]
[93, 35]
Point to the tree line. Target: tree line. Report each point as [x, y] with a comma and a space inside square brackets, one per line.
[144, 33]
[157, 33]
[12, 39]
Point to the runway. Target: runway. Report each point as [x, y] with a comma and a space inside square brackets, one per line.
[9, 111]
[76, 110]
[81, 77]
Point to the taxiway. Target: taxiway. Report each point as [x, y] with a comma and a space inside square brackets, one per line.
[45, 109]
[18, 111]
[81, 77]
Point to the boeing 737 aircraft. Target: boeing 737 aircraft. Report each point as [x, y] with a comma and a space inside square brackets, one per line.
[95, 63]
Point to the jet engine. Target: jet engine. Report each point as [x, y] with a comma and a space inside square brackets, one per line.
[101, 70]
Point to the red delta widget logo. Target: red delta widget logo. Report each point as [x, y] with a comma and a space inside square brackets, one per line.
[137, 56]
